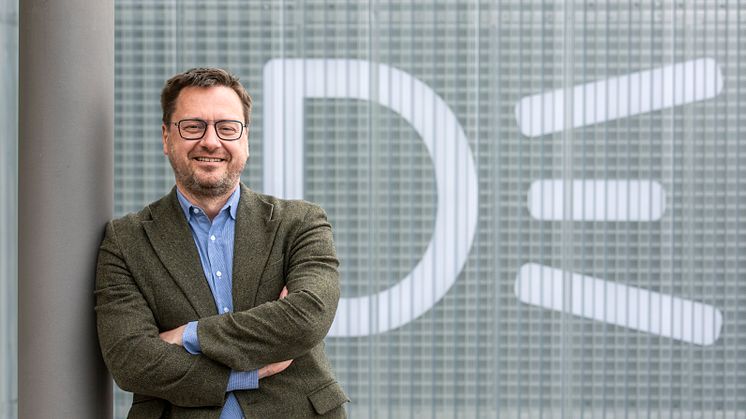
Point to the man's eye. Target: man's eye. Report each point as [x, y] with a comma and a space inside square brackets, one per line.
[192, 127]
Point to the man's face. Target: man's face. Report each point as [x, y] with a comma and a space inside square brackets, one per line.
[209, 167]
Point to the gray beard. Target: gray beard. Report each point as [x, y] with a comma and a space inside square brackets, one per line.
[200, 190]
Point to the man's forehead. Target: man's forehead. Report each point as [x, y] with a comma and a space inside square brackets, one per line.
[215, 98]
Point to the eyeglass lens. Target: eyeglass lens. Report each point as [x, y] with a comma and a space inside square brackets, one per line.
[194, 129]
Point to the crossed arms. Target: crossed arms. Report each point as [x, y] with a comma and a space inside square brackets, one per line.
[131, 308]
[177, 336]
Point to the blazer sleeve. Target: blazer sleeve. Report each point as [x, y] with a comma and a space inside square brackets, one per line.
[287, 328]
[138, 359]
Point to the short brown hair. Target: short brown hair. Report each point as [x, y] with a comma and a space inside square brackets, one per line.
[202, 77]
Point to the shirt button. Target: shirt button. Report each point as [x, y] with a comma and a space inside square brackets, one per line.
[219, 274]
[212, 237]
[196, 210]
[225, 309]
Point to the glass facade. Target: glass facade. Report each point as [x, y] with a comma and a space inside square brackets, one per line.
[536, 204]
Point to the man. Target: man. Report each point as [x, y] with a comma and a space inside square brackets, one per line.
[187, 289]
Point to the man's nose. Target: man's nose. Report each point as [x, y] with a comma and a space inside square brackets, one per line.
[210, 140]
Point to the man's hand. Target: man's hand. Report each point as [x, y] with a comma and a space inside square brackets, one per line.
[174, 336]
[272, 369]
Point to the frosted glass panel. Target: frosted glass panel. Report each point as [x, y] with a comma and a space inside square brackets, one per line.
[536, 204]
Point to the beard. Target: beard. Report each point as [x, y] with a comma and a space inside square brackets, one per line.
[206, 188]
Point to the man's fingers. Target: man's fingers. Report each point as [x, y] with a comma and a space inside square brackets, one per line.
[272, 369]
[283, 293]
[173, 336]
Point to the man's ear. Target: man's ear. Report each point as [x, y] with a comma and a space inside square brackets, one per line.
[164, 138]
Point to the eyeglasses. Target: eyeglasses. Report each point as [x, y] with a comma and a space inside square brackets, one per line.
[195, 129]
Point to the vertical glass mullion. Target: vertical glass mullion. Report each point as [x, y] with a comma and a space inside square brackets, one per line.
[714, 234]
[411, 234]
[389, 133]
[607, 34]
[583, 257]
[737, 218]
[453, 390]
[353, 352]
[674, 219]
[543, 85]
[523, 378]
[625, 255]
[373, 340]
[650, 118]
[567, 253]
[436, 401]
[495, 175]
[476, 297]
[691, 172]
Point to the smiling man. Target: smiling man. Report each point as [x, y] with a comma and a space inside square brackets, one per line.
[213, 301]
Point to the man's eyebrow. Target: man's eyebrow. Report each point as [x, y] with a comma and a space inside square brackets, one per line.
[225, 118]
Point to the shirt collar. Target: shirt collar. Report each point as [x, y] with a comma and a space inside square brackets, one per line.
[231, 204]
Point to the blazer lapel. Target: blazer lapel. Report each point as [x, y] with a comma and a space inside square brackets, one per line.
[254, 236]
[173, 243]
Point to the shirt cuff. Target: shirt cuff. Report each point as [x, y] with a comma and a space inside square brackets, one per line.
[243, 380]
[190, 339]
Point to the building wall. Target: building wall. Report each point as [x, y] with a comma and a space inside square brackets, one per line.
[480, 351]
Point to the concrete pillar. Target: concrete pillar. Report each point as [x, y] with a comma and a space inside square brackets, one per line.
[65, 192]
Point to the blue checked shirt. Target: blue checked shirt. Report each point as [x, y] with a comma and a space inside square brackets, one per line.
[214, 242]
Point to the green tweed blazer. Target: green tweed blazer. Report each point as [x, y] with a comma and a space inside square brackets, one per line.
[149, 279]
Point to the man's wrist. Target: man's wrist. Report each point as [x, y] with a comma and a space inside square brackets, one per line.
[190, 339]
[243, 380]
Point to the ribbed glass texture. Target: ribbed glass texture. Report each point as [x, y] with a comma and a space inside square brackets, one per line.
[536, 204]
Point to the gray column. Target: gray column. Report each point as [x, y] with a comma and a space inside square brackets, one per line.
[8, 208]
[66, 119]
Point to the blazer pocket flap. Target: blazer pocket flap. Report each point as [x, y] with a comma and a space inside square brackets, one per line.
[146, 407]
[328, 397]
